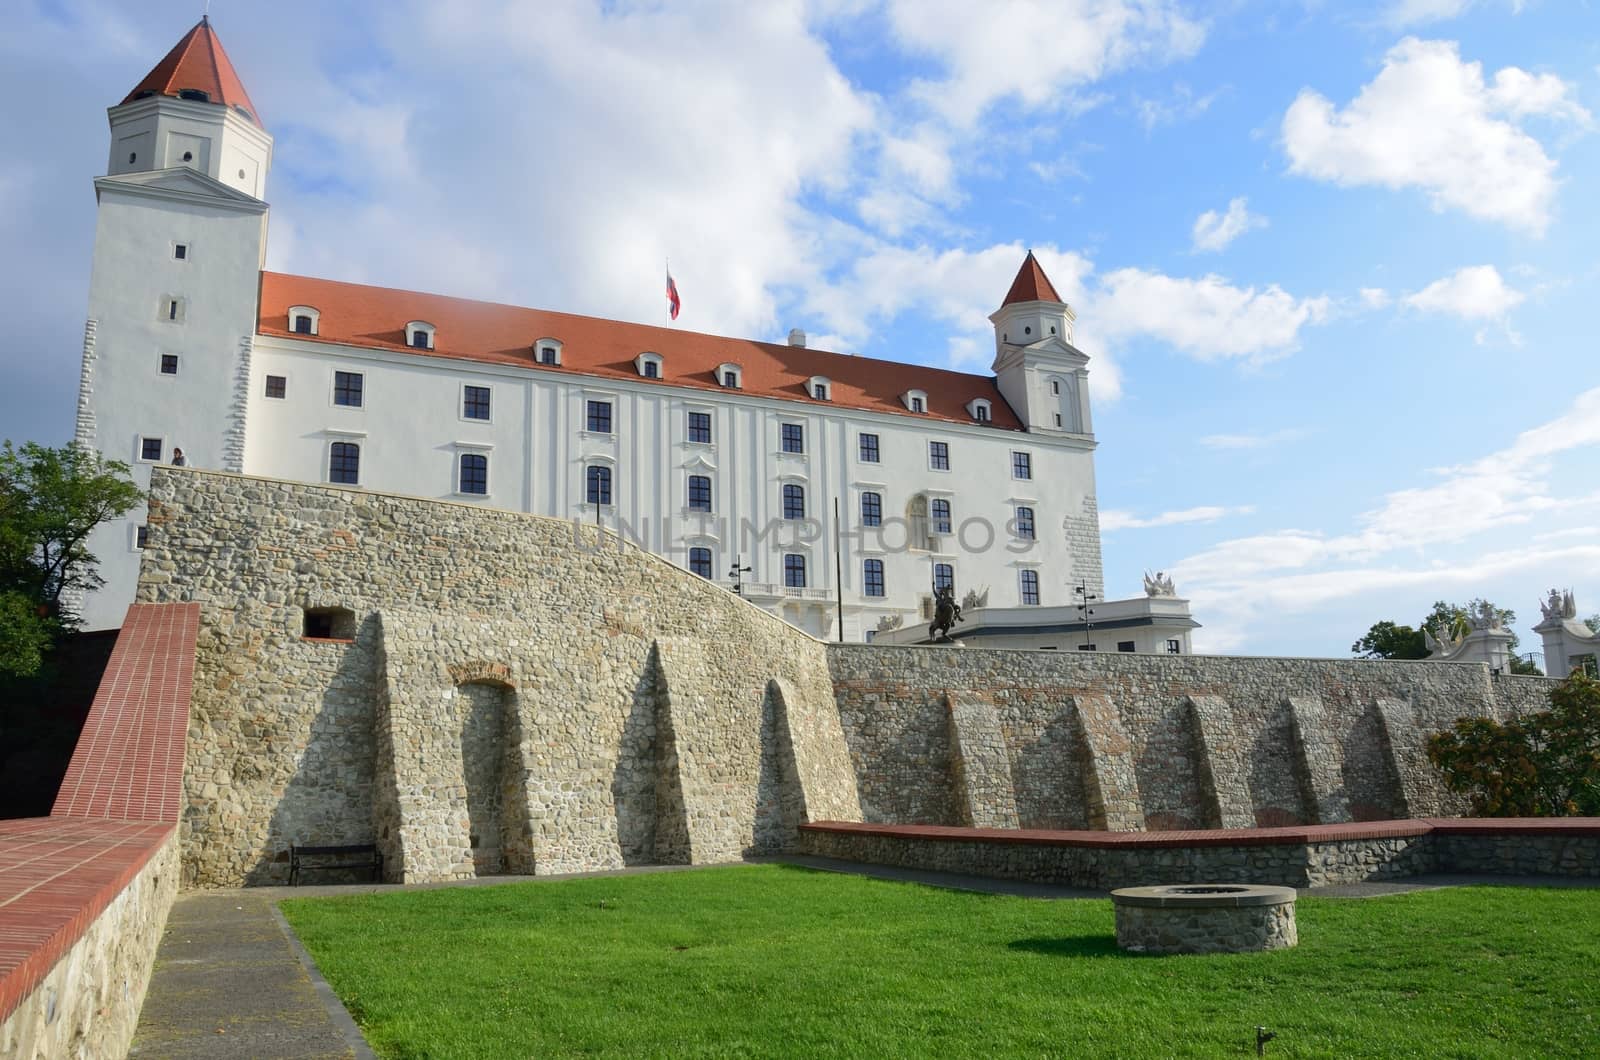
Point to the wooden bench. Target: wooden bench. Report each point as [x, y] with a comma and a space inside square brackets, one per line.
[348, 856]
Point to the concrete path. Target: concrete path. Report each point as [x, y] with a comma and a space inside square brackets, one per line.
[232, 981]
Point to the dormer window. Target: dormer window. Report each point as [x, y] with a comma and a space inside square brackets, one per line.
[980, 409]
[548, 351]
[304, 320]
[199, 95]
[915, 400]
[819, 387]
[729, 375]
[419, 335]
[649, 365]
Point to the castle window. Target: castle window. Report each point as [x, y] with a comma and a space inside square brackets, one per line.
[1021, 465]
[1030, 588]
[347, 389]
[548, 351]
[794, 438]
[871, 509]
[819, 386]
[700, 493]
[728, 375]
[1055, 386]
[599, 418]
[1174, 647]
[872, 577]
[180, 251]
[169, 364]
[344, 463]
[304, 320]
[794, 571]
[328, 623]
[700, 427]
[1125, 645]
[980, 409]
[649, 365]
[981, 413]
[199, 95]
[277, 386]
[794, 501]
[141, 537]
[700, 562]
[944, 576]
[869, 448]
[1025, 523]
[475, 402]
[474, 474]
[939, 456]
[1058, 419]
[419, 335]
[173, 309]
[939, 514]
[597, 484]
[150, 449]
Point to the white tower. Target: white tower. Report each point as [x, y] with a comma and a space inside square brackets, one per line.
[179, 244]
[1040, 372]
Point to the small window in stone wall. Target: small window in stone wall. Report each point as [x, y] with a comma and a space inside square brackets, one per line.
[1125, 645]
[329, 623]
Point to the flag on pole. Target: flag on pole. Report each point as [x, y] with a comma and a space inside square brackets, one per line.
[673, 302]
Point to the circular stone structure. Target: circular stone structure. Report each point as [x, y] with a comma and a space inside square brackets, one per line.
[1204, 918]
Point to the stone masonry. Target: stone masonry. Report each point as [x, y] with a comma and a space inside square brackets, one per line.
[509, 693]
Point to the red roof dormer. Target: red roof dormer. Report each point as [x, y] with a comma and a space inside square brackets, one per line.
[197, 64]
[1031, 285]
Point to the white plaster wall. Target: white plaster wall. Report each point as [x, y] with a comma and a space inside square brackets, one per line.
[410, 428]
[134, 270]
[159, 129]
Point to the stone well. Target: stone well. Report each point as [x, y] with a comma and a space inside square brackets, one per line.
[1204, 918]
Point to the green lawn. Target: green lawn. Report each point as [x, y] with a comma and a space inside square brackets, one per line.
[773, 960]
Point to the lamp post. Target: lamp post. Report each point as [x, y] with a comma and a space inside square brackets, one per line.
[736, 574]
[1086, 613]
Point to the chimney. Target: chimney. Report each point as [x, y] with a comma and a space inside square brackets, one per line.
[797, 338]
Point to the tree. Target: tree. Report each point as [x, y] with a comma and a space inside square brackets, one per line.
[50, 499]
[1386, 640]
[1540, 765]
[1593, 622]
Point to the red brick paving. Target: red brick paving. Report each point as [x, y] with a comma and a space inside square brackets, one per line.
[118, 803]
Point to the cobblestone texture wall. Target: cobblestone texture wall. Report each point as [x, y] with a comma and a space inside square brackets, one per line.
[1207, 929]
[88, 1006]
[511, 693]
[637, 721]
[1162, 742]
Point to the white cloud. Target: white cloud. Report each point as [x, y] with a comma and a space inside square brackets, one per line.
[1115, 519]
[1477, 292]
[1214, 231]
[1405, 13]
[990, 56]
[1253, 441]
[1374, 297]
[1207, 317]
[1429, 121]
[1182, 104]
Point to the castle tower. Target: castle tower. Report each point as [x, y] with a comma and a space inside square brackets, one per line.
[180, 239]
[1043, 376]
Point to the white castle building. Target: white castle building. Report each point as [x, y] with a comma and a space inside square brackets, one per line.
[727, 456]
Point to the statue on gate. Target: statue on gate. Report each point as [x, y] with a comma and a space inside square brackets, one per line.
[946, 613]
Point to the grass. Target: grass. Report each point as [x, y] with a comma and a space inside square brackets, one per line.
[774, 960]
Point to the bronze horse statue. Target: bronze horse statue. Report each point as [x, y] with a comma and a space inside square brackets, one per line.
[946, 613]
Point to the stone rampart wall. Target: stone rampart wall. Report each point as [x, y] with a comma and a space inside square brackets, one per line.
[510, 693]
[637, 713]
[88, 1003]
[1126, 742]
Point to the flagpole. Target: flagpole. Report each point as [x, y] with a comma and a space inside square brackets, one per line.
[666, 309]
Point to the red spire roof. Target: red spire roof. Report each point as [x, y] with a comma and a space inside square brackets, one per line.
[197, 62]
[1031, 284]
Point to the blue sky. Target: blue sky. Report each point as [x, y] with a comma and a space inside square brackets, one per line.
[1334, 263]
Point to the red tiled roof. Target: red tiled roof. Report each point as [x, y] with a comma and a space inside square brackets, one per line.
[129, 760]
[1031, 284]
[197, 61]
[376, 317]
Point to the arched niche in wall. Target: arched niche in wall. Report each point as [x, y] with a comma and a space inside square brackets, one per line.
[485, 711]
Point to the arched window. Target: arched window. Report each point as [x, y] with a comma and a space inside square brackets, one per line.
[700, 493]
[794, 501]
[598, 484]
[794, 571]
[344, 463]
[700, 562]
[474, 473]
[1030, 588]
[871, 509]
[419, 335]
[872, 577]
[939, 515]
[304, 319]
[944, 576]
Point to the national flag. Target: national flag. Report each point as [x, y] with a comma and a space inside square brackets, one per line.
[673, 302]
